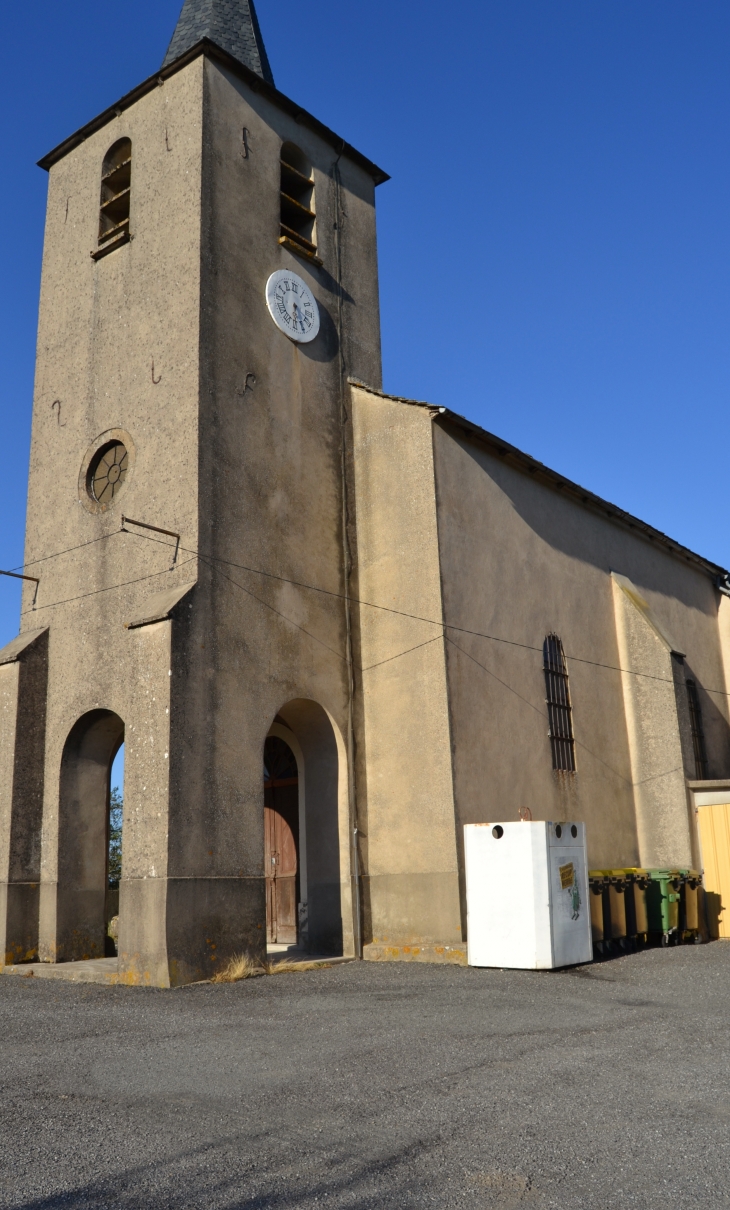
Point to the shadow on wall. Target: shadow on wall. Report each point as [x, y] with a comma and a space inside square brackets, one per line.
[713, 910]
[582, 534]
[715, 732]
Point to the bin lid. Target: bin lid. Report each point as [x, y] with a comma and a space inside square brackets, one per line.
[629, 872]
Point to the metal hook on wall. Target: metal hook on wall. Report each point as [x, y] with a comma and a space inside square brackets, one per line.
[14, 575]
[248, 385]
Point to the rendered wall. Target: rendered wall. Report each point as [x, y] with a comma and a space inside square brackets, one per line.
[518, 561]
[23, 690]
[102, 325]
[406, 802]
[651, 675]
[235, 437]
[270, 509]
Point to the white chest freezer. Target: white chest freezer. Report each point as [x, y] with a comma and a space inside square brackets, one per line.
[527, 895]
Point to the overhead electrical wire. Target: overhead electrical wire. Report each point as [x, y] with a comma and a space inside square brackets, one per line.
[443, 626]
[58, 553]
[109, 588]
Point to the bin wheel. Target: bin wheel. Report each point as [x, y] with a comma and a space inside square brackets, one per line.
[665, 938]
[697, 939]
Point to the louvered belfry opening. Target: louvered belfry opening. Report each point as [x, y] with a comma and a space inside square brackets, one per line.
[297, 199]
[698, 733]
[116, 185]
[560, 711]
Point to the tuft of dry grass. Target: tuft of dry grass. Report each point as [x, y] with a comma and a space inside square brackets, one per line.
[286, 966]
[240, 966]
[243, 966]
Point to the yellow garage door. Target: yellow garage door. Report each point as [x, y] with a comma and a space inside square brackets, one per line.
[714, 825]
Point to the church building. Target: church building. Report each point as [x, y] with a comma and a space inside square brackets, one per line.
[330, 626]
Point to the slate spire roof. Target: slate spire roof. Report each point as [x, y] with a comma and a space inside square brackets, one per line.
[231, 24]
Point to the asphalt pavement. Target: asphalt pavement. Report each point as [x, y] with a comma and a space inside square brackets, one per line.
[369, 1085]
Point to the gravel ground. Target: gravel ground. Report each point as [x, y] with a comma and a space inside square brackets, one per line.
[371, 1085]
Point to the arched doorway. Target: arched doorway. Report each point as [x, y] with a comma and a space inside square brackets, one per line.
[312, 751]
[281, 842]
[83, 901]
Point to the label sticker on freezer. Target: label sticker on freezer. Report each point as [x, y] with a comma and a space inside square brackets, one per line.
[567, 875]
[571, 899]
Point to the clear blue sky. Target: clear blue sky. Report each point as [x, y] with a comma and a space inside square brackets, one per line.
[560, 197]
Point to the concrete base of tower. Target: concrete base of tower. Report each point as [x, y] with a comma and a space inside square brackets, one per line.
[209, 921]
[174, 931]
[19, 907]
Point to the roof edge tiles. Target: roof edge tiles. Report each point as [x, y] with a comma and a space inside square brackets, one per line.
[206, 47]
[589, 500]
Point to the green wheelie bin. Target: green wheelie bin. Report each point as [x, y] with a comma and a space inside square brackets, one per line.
[662, 903]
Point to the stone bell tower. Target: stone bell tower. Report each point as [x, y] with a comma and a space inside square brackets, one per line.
[187, 517]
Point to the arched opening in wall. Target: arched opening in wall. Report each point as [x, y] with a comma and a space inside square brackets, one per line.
[114, 852]
[116, 192]
[297, 200]
[84, 902]
[305, 798]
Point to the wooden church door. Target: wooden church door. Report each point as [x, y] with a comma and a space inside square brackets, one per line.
[281, 841]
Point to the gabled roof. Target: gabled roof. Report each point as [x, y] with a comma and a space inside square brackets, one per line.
[230, 24]
[581, 495]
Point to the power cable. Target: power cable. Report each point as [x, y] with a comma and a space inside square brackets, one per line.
[110, 588]
[443, 626]
[57, 554]
[209, 560]
[205, 559]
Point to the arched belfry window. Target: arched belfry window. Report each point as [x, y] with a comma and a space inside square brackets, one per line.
[116, 182]
[297, 200]
[560, 711]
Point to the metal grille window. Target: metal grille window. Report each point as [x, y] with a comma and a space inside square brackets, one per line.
[297, 201]
[698, 735]
[560, 711]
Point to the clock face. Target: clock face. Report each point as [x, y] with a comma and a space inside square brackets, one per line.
[292, 307]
